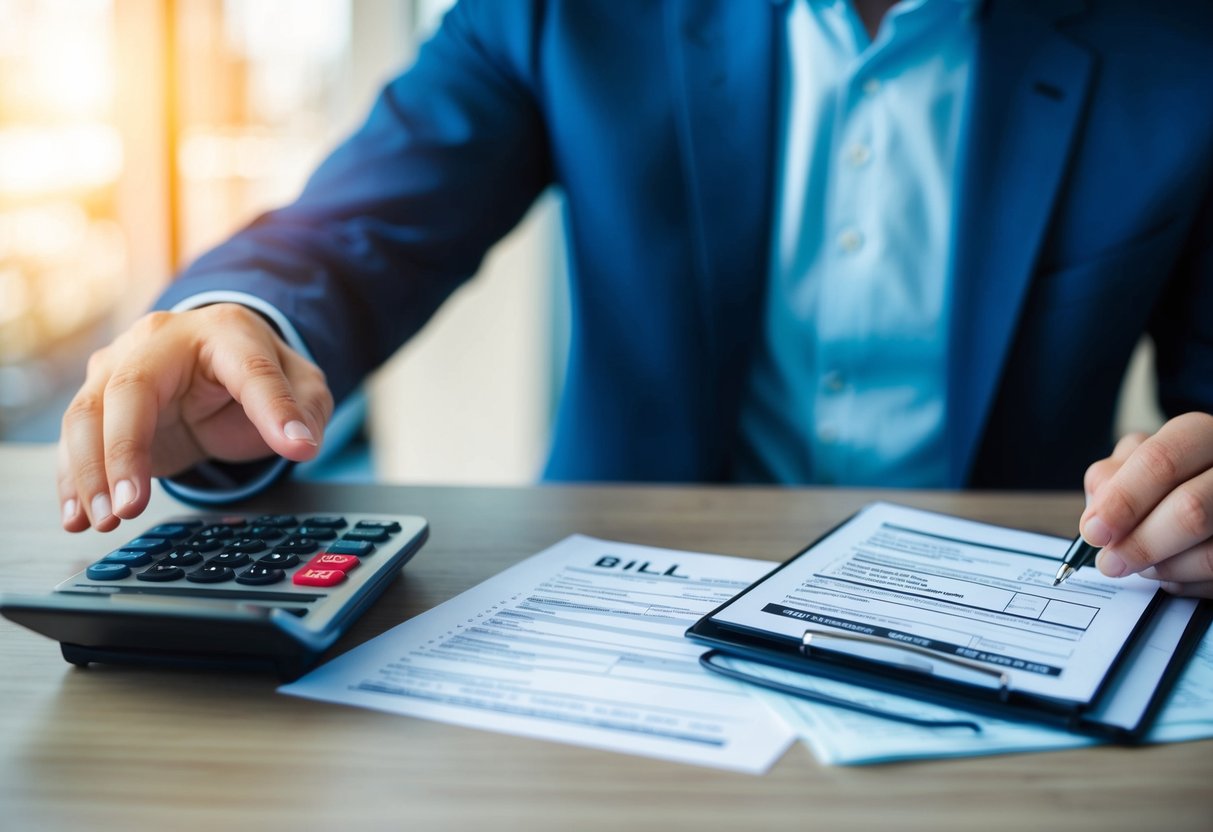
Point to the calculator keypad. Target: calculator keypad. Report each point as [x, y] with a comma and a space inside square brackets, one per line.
[313, 552]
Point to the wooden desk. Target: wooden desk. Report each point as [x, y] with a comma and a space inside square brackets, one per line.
[135, 749]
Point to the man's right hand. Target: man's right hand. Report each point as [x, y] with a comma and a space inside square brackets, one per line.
[176, 389]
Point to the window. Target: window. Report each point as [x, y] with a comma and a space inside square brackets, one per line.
[135, 134]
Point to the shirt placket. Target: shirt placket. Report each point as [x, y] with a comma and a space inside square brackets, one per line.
[845, 290]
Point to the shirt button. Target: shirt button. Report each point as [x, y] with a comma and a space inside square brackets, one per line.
[871, 86]
[858, 155]
[834, 382]
[850, 240]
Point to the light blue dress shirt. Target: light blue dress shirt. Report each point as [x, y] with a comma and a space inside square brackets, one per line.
[849, 381]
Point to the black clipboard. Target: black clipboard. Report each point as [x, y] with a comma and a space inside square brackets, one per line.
[994, 695]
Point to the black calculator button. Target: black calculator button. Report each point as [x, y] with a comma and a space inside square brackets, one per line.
[230, 559]
[182, 557]
[107, 571]
[217, 530]
[316, 532]
[251, 545]
[282, 560]
[161, 572]
[172, 531]
[388, 526]
[267, 532]
[151, 545]
[212, 573]
[330, 522]
[280, 520]
[129, 558]
[357, 548]
[373, 535]
[297, 546]
[206, 544]
[257, 575]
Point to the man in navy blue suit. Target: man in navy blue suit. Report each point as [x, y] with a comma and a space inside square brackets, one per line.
[861, 242]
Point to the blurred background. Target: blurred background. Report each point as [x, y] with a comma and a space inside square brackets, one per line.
[134, 134]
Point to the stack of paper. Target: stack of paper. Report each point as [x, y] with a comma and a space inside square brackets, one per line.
[584, 643]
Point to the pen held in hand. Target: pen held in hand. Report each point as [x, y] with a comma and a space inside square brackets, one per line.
[1079, 554]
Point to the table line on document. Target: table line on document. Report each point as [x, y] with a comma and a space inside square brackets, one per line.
[929, 599]
[551, 716]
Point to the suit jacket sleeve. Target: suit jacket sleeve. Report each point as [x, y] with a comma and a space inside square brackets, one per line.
[449, 159]
[1182, 326]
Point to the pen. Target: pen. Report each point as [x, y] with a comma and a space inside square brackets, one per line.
[1079, 554]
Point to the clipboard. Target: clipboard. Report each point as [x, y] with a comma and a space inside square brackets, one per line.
[1121, 708]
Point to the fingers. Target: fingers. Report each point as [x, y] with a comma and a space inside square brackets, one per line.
[1176, 528]
[1190, 565]
[73, 517]
[283, 395]
[1158, 502]
[1199, 589]
[1102, 471]
[130, 409]
[84, 486]
[220, 373]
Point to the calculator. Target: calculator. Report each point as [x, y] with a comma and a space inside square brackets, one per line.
[269, 591]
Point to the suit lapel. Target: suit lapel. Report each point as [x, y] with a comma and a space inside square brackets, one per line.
[1028, 94]
[1029, 89]
[724, 58]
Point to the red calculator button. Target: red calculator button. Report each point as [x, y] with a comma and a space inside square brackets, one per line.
[328, 560]
[309, 576]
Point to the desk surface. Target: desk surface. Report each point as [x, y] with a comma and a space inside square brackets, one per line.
[145, 749]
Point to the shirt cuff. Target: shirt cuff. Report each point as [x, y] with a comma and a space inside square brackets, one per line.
[285, 328]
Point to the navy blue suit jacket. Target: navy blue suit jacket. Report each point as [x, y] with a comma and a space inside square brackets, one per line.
[1085, 220]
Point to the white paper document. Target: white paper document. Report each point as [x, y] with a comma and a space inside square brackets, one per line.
[582, 643]
[957, 588]
[842, 737]
[1188, 714]
[982, 593]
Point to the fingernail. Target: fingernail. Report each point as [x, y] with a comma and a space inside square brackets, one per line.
[101, 507]
[70, 507]
[1096, 532]
[297, 430]
[1110, 564]
[124, 493]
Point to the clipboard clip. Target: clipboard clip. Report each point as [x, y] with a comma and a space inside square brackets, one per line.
[810, 642]
[709, 661]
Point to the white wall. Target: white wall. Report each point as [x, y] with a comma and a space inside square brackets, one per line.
[468, 399]
[1138, 408]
